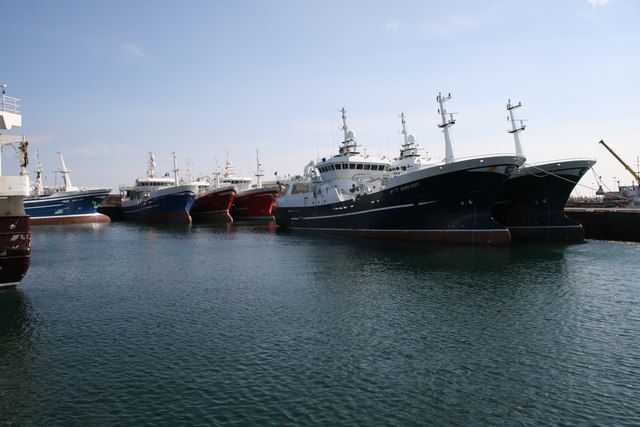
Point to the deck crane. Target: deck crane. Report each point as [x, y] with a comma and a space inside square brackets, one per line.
[626, 166]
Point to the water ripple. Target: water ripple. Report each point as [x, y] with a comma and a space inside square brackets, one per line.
[123, 324]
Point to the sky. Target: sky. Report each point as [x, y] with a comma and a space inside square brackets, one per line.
[105, 82]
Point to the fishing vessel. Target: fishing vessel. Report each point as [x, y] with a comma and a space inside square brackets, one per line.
[355, 194]
[251, 203]
[213, 201]
[531, 203]
[158, 198]
[15, 236]
[64, 205]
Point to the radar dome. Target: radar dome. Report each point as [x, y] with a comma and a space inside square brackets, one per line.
[411, 139]
[351, 135]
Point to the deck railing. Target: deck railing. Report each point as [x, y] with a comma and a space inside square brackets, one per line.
[9, 104]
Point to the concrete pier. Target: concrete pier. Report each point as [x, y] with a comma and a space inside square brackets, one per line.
[608, 223]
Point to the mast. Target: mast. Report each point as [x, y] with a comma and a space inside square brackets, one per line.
[259, 172]
[344, 127]
[217, 173]
[38, 185]
[65, 174]
[349, 144]
[409, 148]
[228, 166]
[404, 129]
[189, 176]
[175, 168]
[514, 129]
[151, 172]
[445, 125]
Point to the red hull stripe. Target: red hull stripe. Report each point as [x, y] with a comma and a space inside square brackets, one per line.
[69, 219]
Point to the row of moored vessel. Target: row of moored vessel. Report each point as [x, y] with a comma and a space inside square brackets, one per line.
[226, 198]
[486, 199]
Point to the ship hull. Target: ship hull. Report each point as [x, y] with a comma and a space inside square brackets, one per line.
[81, 207]
[15, 249]
[531, 203]
[168, 208]
[254, 205]
[213, 206]
[447, 204]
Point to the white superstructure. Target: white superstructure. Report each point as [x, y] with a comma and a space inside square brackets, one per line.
[13, 188]
[240, 183]
[153, 185]
[337, 178]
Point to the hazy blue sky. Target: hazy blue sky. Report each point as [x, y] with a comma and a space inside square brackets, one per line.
[106, 82]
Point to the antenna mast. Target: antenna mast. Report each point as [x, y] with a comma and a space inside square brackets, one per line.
[259, 172]
[38, 186]
[65, 175]
[514, 129]
[175, 168]
[445, 125]
[228, 166]
[344, 124]
[404, 129]
[151, 172]
[217, 173]
[189, 176]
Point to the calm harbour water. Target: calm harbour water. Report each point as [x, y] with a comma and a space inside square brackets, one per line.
[124, 324]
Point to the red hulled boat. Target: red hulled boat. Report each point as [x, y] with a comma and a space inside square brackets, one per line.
[250, 204]
[255, 204]
[213, 205]
[15, 238]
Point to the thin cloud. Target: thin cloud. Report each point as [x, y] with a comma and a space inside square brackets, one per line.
[134, 53]
[393, 25]
[596, 3]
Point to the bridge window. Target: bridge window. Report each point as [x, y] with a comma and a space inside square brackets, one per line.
[352, 165]
[338, 166]
[367, 167]
[359, 166]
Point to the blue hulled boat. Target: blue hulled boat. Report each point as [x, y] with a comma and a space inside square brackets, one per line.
[66, 204]
[158, 199]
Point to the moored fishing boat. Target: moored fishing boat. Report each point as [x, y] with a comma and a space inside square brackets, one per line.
[250, 204]
[213, 201]
[531, 202]
[158, 199]
[355, 194]
[64, 205]
[15, 236]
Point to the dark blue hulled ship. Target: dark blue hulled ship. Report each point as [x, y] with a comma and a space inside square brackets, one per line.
[66, 204]
[356, 194]
[531, 203]
[158, 199]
